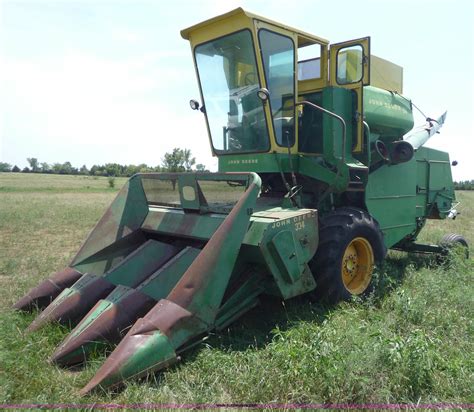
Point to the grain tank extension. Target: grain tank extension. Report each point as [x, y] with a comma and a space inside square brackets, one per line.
[320, 172]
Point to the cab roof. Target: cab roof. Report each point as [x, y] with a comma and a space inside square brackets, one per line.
[185, 33]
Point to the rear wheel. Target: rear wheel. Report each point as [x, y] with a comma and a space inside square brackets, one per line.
[350, 243]
[452, 240]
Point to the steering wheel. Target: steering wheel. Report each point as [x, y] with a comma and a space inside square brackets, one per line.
[250, 78]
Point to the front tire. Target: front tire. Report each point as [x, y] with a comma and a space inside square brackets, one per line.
[350, 244]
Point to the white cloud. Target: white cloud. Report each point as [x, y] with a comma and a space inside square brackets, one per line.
[88, 108]
[104, 110]
[128, 36]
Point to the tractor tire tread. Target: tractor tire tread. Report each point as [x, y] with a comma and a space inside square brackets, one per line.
[451, 239]
[336, 229]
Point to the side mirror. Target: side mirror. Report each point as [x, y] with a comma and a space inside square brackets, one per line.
[263, 94]
[454, 163]
[194, 104]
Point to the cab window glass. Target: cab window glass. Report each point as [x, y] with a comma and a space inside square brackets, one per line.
[229, 83]
[350, 64]
[309, 61]
[278, 55]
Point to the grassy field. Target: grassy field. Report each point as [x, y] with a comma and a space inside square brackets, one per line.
[411, 342]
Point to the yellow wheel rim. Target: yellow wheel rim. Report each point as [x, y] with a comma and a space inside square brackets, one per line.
[357, 265]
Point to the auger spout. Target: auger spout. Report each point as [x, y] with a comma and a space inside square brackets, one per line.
[420, 135]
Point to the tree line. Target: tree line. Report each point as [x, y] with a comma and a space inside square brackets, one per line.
[179, 160]
[464, 185]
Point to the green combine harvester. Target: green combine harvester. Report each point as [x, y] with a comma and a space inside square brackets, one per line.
[323, 170]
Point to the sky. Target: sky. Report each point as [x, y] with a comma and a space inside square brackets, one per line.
[104, 81]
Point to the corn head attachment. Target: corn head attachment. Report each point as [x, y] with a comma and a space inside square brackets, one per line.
[158, 275]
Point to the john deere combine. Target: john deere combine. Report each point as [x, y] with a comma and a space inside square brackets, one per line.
[317, 141]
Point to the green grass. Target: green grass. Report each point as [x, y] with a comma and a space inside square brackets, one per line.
[411, 341]
[35, 182]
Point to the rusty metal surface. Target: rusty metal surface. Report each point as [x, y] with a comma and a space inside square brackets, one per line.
[191, 306]
[141, 263]
[75, 302]
[109, 325]
[43, 294]
[111, 256]
[114, 371]
[74, 306]
[139, 341]
[197, 277]
[176, 222]
[128, 256]
[121, 308]
[123, 218]
[164, 316]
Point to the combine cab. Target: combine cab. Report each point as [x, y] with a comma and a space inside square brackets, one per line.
[321, 170]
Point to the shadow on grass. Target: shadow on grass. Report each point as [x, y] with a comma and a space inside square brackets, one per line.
[256, 329]
[391, 273]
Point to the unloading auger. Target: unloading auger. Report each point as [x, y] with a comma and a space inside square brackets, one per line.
[317, 139]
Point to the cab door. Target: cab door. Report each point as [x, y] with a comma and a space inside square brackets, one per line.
[349, 67]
